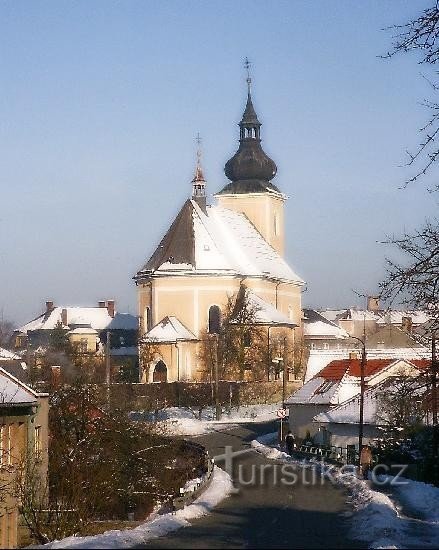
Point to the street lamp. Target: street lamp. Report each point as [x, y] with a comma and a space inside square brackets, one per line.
[362, 388]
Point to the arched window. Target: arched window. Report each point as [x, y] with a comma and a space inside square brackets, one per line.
[214, 320]
[160, 373]
[147, 319]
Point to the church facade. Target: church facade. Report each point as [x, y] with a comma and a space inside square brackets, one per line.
[211, 251]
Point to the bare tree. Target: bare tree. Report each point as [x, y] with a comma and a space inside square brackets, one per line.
[415, 282]
[421, 34]
[6, 331]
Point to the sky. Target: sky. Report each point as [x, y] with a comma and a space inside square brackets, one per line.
[100, 103]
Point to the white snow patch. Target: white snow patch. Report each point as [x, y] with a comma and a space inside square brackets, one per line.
[185, 421]
[220, 487]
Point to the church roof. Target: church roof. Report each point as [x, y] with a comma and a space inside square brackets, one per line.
[266, 314]
[217, 241]
[168, 330]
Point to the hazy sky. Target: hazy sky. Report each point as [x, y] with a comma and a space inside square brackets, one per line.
[100, 102]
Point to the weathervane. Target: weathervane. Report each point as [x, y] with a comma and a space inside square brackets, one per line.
[247, 65]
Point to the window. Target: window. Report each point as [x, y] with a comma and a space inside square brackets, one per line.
[324, 387]
[214, 320]
[325, 345]
[147, 319]
[37, 443]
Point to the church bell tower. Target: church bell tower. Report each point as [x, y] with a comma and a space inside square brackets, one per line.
[250, 171]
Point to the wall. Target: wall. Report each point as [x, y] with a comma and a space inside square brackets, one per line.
[301, 418]
[264, 210]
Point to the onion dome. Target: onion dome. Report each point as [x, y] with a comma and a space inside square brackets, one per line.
[250, 169]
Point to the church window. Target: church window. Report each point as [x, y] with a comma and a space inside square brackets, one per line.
[214, 320]
[147, 319]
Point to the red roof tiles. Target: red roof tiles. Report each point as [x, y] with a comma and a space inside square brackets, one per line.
[338, 368]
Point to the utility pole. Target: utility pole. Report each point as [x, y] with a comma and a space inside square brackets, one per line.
[362, 389]
[434, 377]
[108, 367]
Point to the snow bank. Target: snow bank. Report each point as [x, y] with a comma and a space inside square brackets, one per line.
[220, 487]
[375, 520]
[185, 421]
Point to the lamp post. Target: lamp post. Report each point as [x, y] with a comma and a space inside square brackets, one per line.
[362, 388]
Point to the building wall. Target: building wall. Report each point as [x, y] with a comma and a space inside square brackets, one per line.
[301, 418]
[342, 435]
[189, 298]
[264, 210]
[18, 433]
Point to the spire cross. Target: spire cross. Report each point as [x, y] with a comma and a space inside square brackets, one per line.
[247, 65]
[198, 141]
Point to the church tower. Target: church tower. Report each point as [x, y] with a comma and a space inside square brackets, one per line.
[251, 171]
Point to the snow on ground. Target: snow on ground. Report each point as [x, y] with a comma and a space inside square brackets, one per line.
[219, 488]
[185, 421]
[397, 516]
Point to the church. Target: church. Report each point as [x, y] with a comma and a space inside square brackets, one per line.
[212, 251]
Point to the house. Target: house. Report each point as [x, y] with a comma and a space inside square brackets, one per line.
[320, 333]
[208, 253]
[23, 428]
[339, 426]
[338, 382]
[86, 328]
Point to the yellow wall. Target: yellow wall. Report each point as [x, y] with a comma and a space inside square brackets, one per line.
[189, 298]
[264, 210]
[18, 435]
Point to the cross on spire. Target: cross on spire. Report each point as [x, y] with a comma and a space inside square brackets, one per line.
[247, 66]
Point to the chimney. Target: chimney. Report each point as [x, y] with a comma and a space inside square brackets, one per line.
[373, 303]
[407, 324]
[110, 307]
[102, 303]
[353, 355]
[64, 317]
[49, 306]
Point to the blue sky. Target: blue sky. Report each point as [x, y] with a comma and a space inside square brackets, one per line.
[100, 103]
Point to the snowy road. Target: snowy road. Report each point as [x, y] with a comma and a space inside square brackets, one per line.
[266, 515]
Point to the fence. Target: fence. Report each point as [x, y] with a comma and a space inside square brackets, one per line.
[188, 497]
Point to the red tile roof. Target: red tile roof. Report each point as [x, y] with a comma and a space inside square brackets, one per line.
[337, 369]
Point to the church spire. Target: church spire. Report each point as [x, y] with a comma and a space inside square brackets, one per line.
[198, 182]
[250, 169]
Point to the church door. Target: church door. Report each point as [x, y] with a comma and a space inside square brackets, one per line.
[160, 373]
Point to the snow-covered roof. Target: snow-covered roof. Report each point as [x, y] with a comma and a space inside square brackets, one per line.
[216, 241]
[266, 314]
[15, 393]
[349, 411]
[317, 326]
[168, 330]
[8, 355]
[318, 391]
[319, 359]
[97, 318]
[417, 317]
[326, 386]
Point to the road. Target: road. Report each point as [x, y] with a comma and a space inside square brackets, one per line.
[269, 514]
